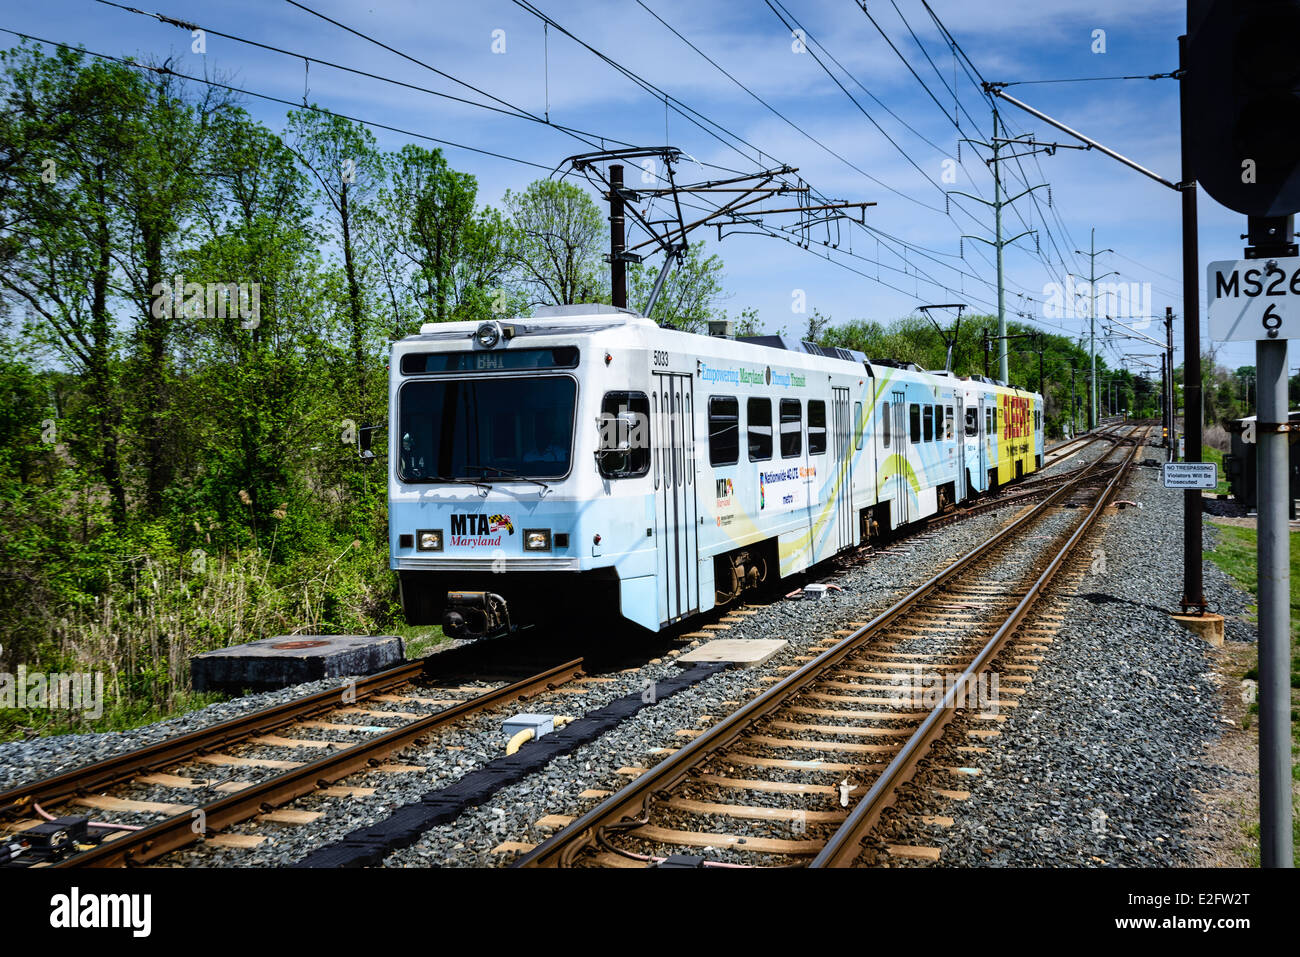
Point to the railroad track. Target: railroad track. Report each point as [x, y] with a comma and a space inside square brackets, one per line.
[341, 723]
[1028, 489]
[771, 783]
[1072, 447]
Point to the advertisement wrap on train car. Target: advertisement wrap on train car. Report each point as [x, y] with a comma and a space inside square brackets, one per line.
[786, 489]
[741, 375]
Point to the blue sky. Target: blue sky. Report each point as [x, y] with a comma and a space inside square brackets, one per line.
[1010, 40]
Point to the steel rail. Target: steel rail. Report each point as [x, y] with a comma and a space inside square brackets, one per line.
[632, 802]
[141, 847]
[844, 846]
[1024, 493]
[110, 771]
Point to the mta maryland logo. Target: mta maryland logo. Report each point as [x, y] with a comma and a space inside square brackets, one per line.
[480, 524]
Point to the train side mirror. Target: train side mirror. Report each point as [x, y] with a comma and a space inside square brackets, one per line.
[365, 437]
[619, 434]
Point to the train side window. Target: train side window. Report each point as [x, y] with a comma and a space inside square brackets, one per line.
[914, 422]
[759, 413]
[724, 430]
[988, 421]
[972, 422]
[791, 428]
[858, 425]
[816, 427]
[624, 435]
[949, 424]
[927, 418]
[995, 422]
[885, 417]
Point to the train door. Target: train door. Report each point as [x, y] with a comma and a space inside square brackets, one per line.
[959, 436]
[676, 515]
[842, 449]
[986, 437]
[902, 450]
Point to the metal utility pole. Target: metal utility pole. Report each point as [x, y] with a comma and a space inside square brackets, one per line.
[1274, 504]
[997, 144]
[1171, 420]
[617, 241]
[1193, 582]
[1271, 238]
[1074, 406]
[1092, 317]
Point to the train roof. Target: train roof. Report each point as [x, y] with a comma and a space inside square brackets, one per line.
[597, 317]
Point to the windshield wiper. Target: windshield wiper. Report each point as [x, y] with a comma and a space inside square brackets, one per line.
[464, 481]
[514, 475]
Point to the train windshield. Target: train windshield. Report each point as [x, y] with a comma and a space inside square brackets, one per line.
[486, 429]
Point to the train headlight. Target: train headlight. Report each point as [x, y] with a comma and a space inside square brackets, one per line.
[488, 334]
[429, 540]
[537, 539]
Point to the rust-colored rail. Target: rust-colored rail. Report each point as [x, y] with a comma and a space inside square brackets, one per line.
[150, 843]
[95, 777]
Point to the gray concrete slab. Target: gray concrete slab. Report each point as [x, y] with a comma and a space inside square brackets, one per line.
[747, 652]
[292, 659]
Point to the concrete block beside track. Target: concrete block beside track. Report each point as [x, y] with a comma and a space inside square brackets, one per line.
[745, 652]
[270, 663]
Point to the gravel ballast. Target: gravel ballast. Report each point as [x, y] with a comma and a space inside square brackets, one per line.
[1101, 763]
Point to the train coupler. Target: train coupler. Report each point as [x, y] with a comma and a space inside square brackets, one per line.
[474, 614]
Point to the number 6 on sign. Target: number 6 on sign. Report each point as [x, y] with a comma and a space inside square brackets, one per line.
[1253, 299]
[1272, 321]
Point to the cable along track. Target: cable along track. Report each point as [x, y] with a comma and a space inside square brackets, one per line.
[816, 758]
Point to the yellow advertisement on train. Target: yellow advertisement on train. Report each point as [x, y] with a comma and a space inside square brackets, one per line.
[1016, 436]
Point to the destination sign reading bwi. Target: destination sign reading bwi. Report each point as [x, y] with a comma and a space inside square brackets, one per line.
[1252, 299]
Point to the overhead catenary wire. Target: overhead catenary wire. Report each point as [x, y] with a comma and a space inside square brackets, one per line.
[506, 108]
[168, 71]
[778, 113]
[806, 34]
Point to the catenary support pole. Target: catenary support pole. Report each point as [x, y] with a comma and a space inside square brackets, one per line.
[1274, 502]
[1193, 586]
[1171, 418]
[617, 241]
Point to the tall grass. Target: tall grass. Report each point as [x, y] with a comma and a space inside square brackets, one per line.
[155, 613]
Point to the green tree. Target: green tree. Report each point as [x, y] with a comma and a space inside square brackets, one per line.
[341, 158]
[429, 207]
[62, 260]
[687, 300]
[556, 241]
[163, 182]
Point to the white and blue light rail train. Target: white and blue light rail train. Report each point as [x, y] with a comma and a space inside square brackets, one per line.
[585, 465]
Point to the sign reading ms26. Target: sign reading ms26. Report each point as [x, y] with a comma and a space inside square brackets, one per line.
[1253, 299]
